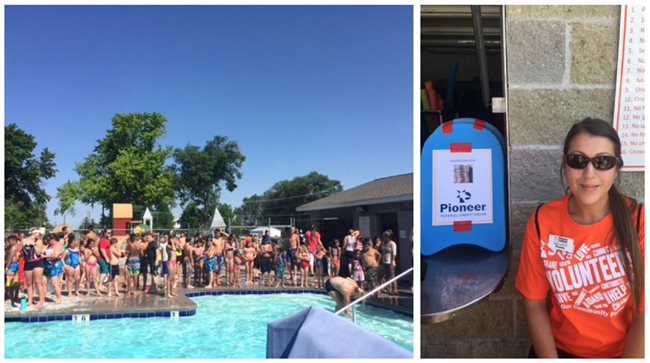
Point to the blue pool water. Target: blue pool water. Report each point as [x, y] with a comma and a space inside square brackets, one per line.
[226, 326]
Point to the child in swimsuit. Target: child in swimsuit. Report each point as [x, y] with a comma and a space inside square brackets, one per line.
[198, 263]
[280, 265]
[13, 280]
[239, 261]
[357, 270]
[171, 265]
[179, 259]
[115, 253]
[249, 256]
[91, 267]
[54, 266]
[133, 251]
[72, 260]
[335, 258]
[320, 264]
[82, 264]
[209, 261]
[230, 264]
[303, 256]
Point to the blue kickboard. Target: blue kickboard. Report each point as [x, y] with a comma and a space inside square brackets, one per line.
[463, 187]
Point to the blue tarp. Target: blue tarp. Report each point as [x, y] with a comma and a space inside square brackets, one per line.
[317, 333]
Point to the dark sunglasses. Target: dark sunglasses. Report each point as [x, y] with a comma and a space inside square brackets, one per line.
[600, 162]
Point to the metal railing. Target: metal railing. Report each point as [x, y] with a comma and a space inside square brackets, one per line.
[371, 293]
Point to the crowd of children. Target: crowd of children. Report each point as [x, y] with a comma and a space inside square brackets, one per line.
[159, 263]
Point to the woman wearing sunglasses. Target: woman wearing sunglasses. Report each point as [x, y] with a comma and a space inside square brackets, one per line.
[586, 250]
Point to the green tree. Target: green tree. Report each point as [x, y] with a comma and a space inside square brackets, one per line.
[279, 202]
[285, 196]
[250, 212]
[163, 217]
[25, 198]
[67, 194]
[127, 165]
[87, 223]
[201, 173]
[19, 215]
[192, 216]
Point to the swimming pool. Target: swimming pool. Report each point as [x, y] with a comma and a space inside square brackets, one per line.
[225, 326]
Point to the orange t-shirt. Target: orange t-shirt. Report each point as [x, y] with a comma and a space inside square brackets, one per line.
[592, 304]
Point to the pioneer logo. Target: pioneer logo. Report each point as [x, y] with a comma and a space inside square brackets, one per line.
[463, 196]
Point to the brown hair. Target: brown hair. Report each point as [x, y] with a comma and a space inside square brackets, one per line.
[624, 231]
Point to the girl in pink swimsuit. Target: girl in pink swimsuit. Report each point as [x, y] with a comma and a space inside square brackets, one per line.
[171, 264]
[91, 267]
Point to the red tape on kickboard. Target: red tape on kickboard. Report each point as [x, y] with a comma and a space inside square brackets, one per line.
[460, 147]
[447, 127]
[463, 226]
[479, 124]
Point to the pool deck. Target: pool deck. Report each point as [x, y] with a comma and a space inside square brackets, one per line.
[143, 305]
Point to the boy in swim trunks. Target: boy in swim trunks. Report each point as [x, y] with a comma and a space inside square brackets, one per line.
[13, 281]
[319, 262]
[294, 243]
[209, 261]
[370, 258]
[219, 244]
[280, 265]
[188, 263]
[133, 251]
[114, 261]
[266, 263]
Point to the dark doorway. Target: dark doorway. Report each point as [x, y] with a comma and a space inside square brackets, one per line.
[461, 62]
[388, 221]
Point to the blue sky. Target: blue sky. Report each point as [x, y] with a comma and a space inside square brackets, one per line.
[300, 88]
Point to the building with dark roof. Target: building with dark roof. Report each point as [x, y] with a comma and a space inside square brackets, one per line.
[372, 208]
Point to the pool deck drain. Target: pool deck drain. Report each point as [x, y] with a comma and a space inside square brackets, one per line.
[149, 304]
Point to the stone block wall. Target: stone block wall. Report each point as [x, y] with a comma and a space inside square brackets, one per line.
[561, 64]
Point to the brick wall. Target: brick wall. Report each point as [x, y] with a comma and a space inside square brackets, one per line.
[561, 68]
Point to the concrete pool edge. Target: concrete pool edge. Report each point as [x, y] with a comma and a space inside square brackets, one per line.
[181, 306]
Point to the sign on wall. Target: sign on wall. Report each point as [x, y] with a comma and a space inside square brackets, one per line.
[364, 226]
[462, 186]
[629, 107]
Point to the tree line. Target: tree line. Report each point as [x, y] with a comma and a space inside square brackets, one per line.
[128, 165]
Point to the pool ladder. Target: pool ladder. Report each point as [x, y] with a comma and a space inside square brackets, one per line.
[376, 290]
